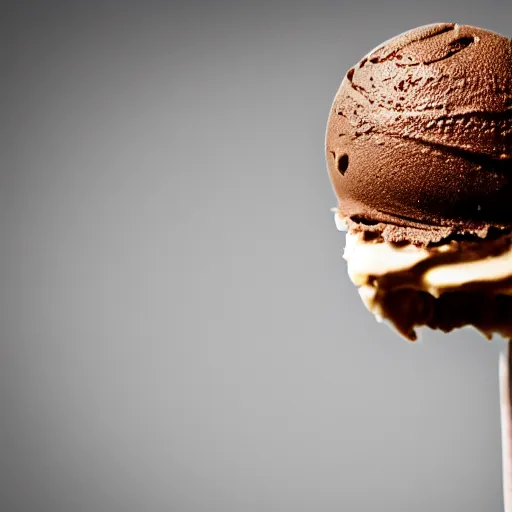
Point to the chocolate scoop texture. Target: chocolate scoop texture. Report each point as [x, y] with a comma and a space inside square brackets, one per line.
[419, 137]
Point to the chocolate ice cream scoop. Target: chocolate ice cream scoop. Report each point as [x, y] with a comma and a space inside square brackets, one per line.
[419, 138]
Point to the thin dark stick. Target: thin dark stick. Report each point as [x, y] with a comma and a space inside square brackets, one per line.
[506, 425]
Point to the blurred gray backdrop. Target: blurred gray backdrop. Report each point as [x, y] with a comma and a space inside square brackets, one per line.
[177, 330]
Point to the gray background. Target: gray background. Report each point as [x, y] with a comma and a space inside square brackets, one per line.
[178, 332]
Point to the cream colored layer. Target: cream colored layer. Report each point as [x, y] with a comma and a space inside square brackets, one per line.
[367, 259]
[372, 260]
[392, 280]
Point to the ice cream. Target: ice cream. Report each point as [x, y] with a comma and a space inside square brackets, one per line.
[419, 151]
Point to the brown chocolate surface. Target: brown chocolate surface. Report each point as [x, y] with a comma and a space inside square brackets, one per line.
[408, 309]
[419, 138]
[476, 290]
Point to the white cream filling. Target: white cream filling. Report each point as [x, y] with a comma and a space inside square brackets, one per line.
[491, 268]
[341, 225]
[377, 259]
[377, 268]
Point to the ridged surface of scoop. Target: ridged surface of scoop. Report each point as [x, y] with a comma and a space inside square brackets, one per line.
[419, 137]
